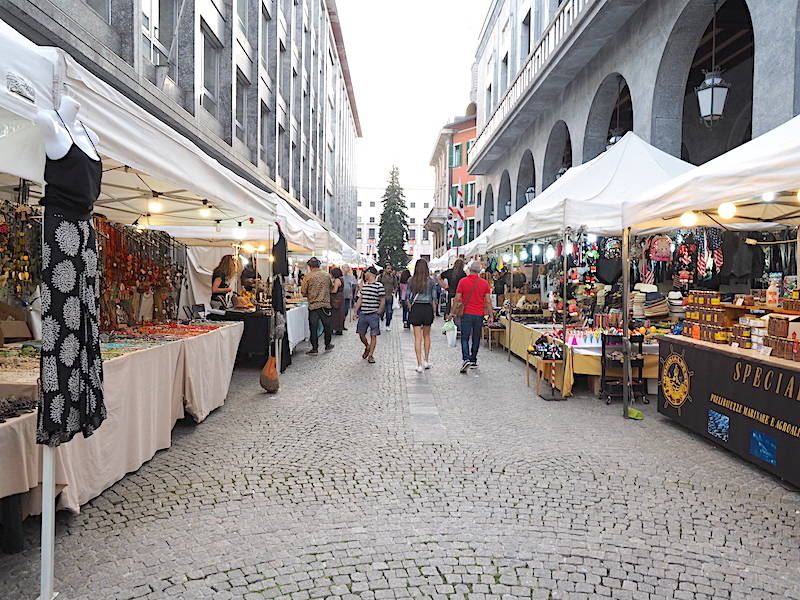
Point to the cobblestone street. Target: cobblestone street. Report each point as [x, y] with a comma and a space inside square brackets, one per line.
[372, 481]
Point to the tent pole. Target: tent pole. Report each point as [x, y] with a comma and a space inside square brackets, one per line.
[797, 256]
[564, 313]
[626, 343]
[48, 523]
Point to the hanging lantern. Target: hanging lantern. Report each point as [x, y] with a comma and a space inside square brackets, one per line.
[711, 97]
[713, 92]
[727, 210]
[550, 253]
[768, 196]
[536, 250]
[689, 219]
[530, 194]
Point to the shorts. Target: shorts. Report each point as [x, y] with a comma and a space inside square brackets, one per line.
[421, 314]
[369, 321]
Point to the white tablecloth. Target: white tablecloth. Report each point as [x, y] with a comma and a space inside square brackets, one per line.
[297, 325]
[145, 394]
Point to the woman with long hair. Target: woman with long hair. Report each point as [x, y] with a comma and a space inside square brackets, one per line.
[349, 289]
[405, 301]
[222, 280]
[422, 299]
[337, 301]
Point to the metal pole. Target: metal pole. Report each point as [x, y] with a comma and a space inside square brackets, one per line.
[48, 523]
[626, 342]
[564, 315]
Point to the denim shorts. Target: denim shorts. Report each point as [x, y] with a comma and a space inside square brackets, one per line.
[369, 321]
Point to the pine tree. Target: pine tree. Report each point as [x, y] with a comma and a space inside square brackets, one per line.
[394, 225]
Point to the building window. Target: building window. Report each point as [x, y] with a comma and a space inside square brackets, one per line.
[372, 233]
[504, 74]
[102, 8]
[413, 220]
[469, 194]
[489, 101]
[455, 155]
[282, 81]
[425, 234]
[158, 29]
[358, 203]
[264, 38]
[525, 42]
[242, 8]
[372, 204]
[469, 145]
[241, 107]
[358, 233]
[412, 234]
[211, 52]
[454, 196]
[469, 230]
[413, 205]
[264, 145]
[372, 219]
[426, 205]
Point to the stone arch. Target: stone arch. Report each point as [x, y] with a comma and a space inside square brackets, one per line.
[558, 154]
[488, 207]
[676, 126]
[611, 110]
[504, 204]
[526, 178]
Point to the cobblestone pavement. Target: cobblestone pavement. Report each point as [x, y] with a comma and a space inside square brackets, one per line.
[372, 481]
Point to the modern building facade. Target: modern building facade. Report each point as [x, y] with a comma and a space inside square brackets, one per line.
[420, 242]
[557, 82]
[263, 86]
[449, 162]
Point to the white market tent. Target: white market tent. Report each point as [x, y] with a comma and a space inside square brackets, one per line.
[480, 245]
[592, 194]
[141, 155]
[768, 163]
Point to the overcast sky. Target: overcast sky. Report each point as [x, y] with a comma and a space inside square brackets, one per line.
[411, 63]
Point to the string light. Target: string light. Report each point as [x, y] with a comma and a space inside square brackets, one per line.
[205, 212]
[536, 249]
[155, 206]
[727, 210]
[243, 260]
[506, 257]
[768, 196]
[689, 219]
[550, 253]
[523, 254]
[249, 248]
[239, 233]
[218, 226]
[262, 248]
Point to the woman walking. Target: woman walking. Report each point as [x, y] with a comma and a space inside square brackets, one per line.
[405, 301]
[349, 289]
[337, 301]
[421, 314]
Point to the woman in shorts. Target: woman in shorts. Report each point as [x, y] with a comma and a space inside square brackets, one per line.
[422, 299]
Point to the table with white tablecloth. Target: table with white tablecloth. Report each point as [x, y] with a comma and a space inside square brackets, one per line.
[146, 392]
[297, 325]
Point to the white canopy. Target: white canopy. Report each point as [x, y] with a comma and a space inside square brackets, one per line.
[480, 245]
[143, 158]
[769, 163]
[591, 194]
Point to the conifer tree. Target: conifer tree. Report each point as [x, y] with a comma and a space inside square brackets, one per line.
[394, 225]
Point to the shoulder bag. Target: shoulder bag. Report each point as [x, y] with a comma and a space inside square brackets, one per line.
[457, 309]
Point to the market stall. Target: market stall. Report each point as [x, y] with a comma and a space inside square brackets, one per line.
[568, 236]
[742, 302]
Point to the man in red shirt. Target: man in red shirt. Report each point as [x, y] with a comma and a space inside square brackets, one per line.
[475, 295]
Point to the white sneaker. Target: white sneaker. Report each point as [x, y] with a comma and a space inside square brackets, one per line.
[427, 365]
[419, 369]
[387, 328]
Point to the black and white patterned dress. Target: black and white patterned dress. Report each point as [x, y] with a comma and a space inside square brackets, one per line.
[71, 377]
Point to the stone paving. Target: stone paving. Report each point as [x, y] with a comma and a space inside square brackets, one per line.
[373, 481]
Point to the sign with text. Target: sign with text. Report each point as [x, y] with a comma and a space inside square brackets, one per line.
[747, 405]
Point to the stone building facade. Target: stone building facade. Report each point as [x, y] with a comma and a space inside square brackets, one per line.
[556, 82]
[263, 86]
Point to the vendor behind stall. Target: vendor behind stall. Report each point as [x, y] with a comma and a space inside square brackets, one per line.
[249, 277]
[221, 279]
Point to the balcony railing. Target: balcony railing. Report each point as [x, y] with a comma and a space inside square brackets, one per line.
[568, 15]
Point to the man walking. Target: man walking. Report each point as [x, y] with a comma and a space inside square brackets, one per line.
[389, 282]
[474, 294]
[370, 304]
[316, 287]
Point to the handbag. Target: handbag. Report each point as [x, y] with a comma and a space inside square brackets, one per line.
[269, 376]
[457, 310]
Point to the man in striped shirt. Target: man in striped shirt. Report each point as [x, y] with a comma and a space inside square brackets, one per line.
[368, 308]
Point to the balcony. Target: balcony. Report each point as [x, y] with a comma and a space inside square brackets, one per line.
[436, 219]
[576, 34]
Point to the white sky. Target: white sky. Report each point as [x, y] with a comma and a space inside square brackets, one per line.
[411, 62]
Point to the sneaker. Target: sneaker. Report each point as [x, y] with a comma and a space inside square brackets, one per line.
[473, 364]
[387, 328]
[329, 347]
[465, 366]
[427, 365]
[419, 369]
[312, 352]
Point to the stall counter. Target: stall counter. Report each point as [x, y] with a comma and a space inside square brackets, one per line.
[750, 406]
